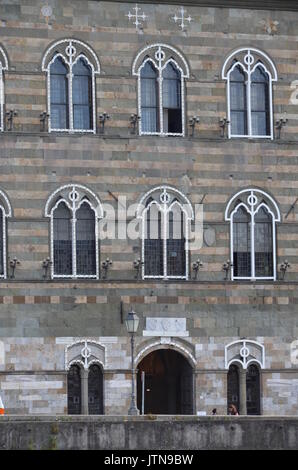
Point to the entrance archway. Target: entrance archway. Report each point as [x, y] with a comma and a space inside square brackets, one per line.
[168, 386]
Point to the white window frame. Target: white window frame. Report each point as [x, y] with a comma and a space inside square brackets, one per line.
[74, 196]
[157, 54]
[3, 67]
[5, 207]
[253, 58]
[70, 56]
[244, 352]
[252, 206]
[165, 206]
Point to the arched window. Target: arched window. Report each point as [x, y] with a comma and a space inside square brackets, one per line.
[84, 362]
[95, 390]
[166, 215]
[233, 397]
[5, 212]
[253, 215]
[249, 74]
[244, 360]
[74, 397]
[253, 390]
[3, 68]
[161, 72]
[74, 211]
[71, 68]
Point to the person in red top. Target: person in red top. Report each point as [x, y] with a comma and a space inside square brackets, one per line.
[1, 407]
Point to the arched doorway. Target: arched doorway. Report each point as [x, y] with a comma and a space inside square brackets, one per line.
[253, 391]
[95, 390]
[74, 398]
[233, 387]
[168, 386]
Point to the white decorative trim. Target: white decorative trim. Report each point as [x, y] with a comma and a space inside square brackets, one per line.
[137, 16]
[70, 57]
[46, 58]
[158, 46]
[157, 54]
[73, 195]
[5, 207]
[157, 344]
[165, 206]
[244, 353]
[3, 66]
[84, 362]
[252, 206]
[182, 18]
[249, 69]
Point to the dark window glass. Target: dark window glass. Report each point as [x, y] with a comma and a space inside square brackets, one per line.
[171, 96]
[176, 259]
[242, 243]
[260, 112]
[95, 390]
[238, 104]
[263, 244]
[253, 391]
[153, 243]
[1, 244]
[74, 390]
[233, 387]
[85, 240]
[62, 240]
[82, 95]
[149, 99]
[59, 95]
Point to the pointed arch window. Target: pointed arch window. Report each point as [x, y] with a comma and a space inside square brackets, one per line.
[253, 215]
[74, 212]
[5, 212]
[71, 68]
[84, 362]
[166, 215]
[161, 72]
[249, 74]
[3, 68]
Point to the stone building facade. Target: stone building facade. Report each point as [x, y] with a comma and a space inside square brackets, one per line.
[199, 334]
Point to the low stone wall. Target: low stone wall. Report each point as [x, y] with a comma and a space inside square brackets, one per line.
[150, 432]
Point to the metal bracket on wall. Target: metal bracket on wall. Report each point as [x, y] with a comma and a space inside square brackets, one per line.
[291, 208]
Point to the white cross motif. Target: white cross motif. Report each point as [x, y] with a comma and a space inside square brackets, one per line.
[182, 18]
[137, 16]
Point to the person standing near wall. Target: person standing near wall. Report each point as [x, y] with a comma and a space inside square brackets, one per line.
[1, 407]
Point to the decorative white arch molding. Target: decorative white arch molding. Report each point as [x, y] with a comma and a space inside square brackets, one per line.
[70, 51]
[6, 212]
[244, 352]
[165, 343]
[3, 67]
[160, 55]
[73, 196]
[85, 353]
[166, 199]
[248, 59]
[252, 200]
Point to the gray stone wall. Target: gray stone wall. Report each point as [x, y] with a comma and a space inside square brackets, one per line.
[152, 433]
[36, 313]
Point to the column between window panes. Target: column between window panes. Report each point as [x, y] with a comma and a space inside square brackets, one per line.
[74, 245]
[84, 391]
[252, 234]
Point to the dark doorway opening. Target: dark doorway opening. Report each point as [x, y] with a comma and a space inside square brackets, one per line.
[168, 383]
